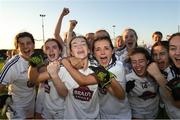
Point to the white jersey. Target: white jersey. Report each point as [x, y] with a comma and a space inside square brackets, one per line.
[172, 111]
[82, 102]
[15, 74]
[40, 99]
[110, 106]
[122, 55]
[53, 103]
[143, 98]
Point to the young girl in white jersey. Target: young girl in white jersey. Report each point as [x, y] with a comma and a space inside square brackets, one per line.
[41, 90]
[141, 88]
[171, 95]
[15, 74]
[159, 52]
[53, 102]
[113, 100]
[82, 100]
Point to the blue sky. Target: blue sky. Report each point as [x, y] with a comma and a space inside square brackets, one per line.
[145, 16]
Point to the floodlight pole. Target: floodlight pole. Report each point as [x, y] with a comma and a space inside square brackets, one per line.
[42, 16]
[114, 31]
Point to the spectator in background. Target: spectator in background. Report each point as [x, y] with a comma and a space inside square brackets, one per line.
[119, 43]
[156, 36]
[15, 75]
[8, 54]
[90, 39]
[101, 33]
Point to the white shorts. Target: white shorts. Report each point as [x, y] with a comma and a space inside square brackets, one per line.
[51, 114]
[150, 116]
[40, 100]
[20, 113]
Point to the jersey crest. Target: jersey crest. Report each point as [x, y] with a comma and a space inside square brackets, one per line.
[82, 93]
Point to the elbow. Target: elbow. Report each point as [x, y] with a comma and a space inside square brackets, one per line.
[55, 35]
[32, 74]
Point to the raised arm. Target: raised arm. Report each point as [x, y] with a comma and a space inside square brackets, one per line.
[58, 26]
[70, 34]
[154, 71]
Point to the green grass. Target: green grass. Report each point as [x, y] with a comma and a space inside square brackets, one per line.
[1, 64]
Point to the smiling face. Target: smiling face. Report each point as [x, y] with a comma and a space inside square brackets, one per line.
[139, 64]
[52, 50]
[174, 50]
[103, 52]
[79, 48]
[160, 56]
[25, 47]
[130, 39]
